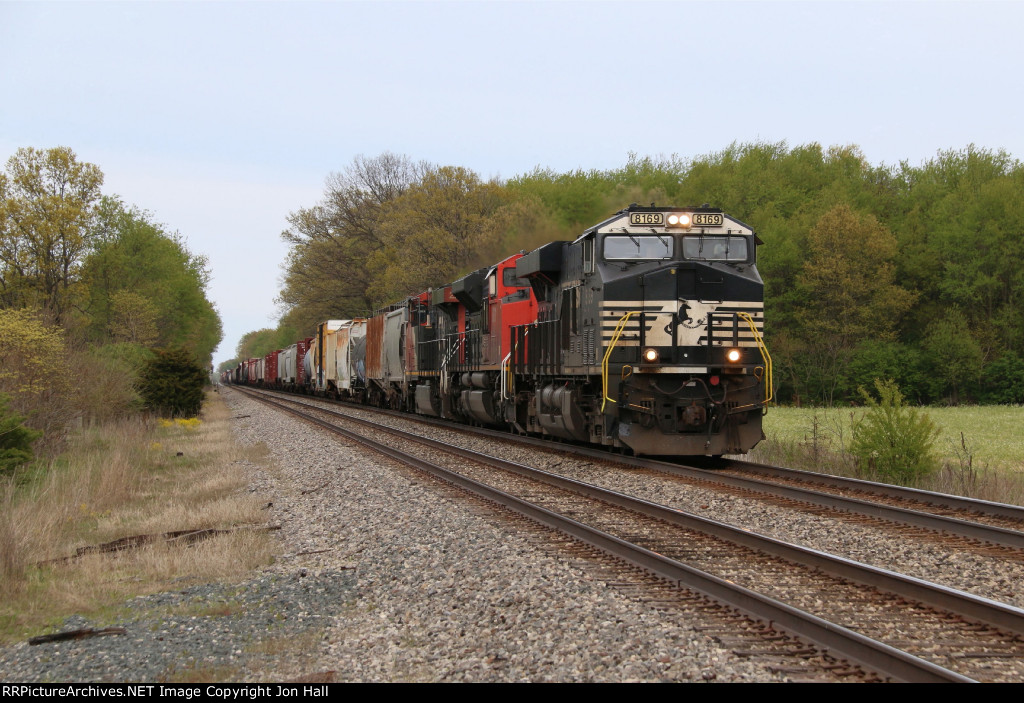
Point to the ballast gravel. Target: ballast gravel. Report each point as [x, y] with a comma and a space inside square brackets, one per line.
[384, 575]
[969, 570]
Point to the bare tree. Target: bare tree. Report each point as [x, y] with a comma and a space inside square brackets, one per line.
[326, 272]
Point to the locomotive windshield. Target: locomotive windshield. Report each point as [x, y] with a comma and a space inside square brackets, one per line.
[711, 248]
[509, 280]
[635, 248]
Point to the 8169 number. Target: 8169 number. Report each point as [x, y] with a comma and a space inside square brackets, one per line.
[646, 218]
[706, 220]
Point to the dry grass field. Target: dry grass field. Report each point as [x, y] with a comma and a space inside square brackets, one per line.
[119, 480]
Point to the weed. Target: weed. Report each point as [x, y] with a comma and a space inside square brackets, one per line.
[202, 673]
[893, 440]
[981, 458]
[113, 482]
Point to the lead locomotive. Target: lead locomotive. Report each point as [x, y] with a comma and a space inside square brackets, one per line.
[648, 335]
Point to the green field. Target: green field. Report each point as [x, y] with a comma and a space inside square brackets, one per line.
[993, 434]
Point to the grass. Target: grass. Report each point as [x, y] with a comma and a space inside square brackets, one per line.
[981, 448]
[196, 672]
[993, 430]
[124, 478]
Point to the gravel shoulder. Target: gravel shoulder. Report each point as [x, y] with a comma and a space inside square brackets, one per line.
[385, 575]
[930, 559]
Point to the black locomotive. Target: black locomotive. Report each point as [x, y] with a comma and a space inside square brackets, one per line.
[648, 335]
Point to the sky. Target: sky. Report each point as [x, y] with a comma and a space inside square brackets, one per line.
[221, 118]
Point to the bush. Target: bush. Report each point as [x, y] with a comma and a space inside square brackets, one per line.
[15, 439]
[32, 373]
[893, 441]
[107, 380]
[1003, 380]
[876, 358]
[172, 383]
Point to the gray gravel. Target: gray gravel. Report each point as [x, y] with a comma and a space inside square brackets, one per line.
[204, 630]
[968, 570]
[385, 576]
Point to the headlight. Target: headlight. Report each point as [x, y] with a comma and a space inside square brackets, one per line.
[679, 220]
[733, 355]
[650, 355]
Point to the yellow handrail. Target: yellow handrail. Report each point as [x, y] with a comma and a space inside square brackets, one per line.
[508, 378]
[604, 362]
[621, 326]
[765, 356]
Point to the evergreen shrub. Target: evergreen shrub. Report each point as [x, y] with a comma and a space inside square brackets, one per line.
[893, 441]
[172, 383]
[15, 439]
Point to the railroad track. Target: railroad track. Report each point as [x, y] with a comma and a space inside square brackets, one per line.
[908, 629]
[1010, 517]
[987, 528]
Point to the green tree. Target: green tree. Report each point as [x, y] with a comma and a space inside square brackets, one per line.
[261, 342]
[15, 439]
[850, 291]
[576, 199]
[1003, 380]
[861, 263]
[886, 358]
[46, 204]
[145, 286]
[960, 243]
[133, 318]
[33, 370]
[955, 356]
[441, 227]
[326, 274]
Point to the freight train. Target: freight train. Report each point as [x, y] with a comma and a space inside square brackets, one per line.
[644, 333]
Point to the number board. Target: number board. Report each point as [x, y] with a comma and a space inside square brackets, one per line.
[705, 220]
[646, 218]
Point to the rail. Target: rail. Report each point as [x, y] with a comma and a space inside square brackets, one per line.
[859, 648]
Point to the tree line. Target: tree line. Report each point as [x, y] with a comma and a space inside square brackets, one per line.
[909, 273]
[89, 288]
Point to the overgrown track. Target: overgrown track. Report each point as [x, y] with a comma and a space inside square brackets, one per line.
[880, 603]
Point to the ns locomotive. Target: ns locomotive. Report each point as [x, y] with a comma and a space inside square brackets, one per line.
[644, 333]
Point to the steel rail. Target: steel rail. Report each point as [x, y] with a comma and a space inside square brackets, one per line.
[938, 523]
[946, 500]
[1000, 615]
[851, 645]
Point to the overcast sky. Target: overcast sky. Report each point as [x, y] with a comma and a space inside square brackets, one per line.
[221, 118]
